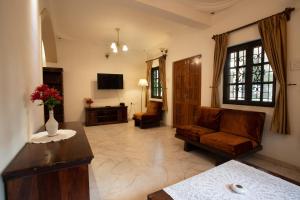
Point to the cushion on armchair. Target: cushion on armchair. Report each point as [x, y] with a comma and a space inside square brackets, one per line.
[193, 132]
[138, 115]
[154, 107]
[226, 132]
[231, 144]
[247, 124]
[208, 117]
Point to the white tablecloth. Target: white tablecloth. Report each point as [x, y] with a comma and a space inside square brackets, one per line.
[214, 185]
[62, 134]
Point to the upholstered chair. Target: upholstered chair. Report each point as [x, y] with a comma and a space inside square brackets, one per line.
[151, 117]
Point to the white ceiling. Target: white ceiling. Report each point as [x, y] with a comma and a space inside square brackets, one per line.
[209, 5]
[144, 23]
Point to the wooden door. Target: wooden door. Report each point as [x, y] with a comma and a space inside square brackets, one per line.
[186, 90]
[193, 97]
[179, 105]
[53, 77]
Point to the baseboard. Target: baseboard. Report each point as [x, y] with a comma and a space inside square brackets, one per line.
[277, 162]
[162, 123]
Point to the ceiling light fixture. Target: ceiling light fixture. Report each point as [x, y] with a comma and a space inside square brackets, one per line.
[116, 45]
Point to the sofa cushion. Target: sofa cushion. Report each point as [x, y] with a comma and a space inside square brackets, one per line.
[243, 123]
[208, 117]
[193, 132]
[145, 116]
[138, 115]
[187, 134]
[231, 144]
[201, 130]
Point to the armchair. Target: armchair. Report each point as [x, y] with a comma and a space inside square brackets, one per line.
[151, 117]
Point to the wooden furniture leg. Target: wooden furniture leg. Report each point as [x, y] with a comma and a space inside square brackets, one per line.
[188, 147]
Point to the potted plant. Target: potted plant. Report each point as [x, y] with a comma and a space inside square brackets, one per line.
[89, 102]
[49, 97]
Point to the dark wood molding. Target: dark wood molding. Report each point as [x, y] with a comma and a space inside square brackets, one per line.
[163, 56]
[191, 57]
[53, 69]
[287, 12]
[159, 195]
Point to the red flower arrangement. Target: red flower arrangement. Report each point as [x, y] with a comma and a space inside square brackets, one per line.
[89, 101]
[50, 97]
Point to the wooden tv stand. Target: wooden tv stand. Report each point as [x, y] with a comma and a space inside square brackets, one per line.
[105, 115]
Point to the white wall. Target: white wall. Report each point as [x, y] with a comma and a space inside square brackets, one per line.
[20, 72]
[281, 147]
[82, 61]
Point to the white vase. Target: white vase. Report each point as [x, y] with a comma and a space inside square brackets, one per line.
[51, 125]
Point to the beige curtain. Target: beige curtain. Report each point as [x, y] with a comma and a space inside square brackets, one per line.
[162, 78]
[274, 38]
[148, 77]
[219, 61]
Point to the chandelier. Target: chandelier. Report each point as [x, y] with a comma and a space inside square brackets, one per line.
[116, 46]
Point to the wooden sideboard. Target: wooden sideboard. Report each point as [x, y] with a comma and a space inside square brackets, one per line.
[55, 170]
[105, 115]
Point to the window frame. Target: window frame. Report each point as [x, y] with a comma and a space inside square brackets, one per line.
[249, 46]
[152, 84]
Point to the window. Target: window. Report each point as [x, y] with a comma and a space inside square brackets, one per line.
[156, 89]
[248, 76]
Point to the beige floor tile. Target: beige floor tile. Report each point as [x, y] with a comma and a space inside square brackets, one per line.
[131, 162]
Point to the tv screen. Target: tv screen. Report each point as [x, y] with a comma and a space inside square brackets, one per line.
[110, 81]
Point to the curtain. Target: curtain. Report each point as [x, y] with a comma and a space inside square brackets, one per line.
[163, 82]
[219, 61]
[274, 38]
[148, 78]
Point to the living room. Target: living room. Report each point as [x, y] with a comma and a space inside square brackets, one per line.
[133, 159]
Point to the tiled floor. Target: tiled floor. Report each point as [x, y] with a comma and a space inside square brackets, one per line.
[130, 162]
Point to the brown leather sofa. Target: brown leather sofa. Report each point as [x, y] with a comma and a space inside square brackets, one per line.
[151, 117]
[227, 133]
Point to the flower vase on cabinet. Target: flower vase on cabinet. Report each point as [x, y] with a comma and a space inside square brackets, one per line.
[51, 125]
[49, 97]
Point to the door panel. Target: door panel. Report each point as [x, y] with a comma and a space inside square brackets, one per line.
[186, 91]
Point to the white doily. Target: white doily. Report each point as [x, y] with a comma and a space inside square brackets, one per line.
[42, 137]
[214, 185]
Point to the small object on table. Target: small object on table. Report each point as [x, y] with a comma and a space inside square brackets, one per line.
[239, 189]
[43, 137]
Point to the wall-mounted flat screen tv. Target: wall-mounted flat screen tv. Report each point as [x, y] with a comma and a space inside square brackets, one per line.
[109, 81]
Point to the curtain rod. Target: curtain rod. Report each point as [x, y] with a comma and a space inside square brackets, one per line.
[286, 11]
[165, 55]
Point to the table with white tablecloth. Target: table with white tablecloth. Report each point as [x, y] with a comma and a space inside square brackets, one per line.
[215, 183]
